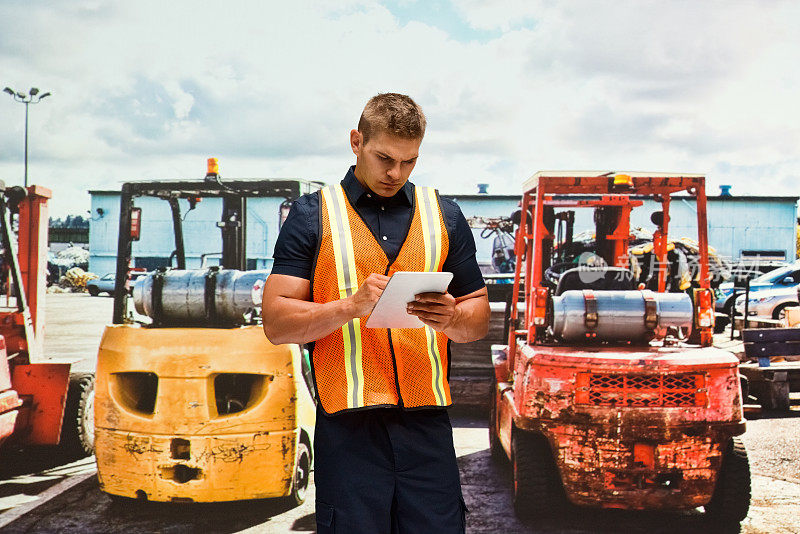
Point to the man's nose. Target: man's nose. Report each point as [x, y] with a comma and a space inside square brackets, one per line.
[393, 172]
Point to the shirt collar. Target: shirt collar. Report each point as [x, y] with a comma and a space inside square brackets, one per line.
[355, 191]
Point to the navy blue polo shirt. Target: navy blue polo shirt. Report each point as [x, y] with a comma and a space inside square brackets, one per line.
[389, 220]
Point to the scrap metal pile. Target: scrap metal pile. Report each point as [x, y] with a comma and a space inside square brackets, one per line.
[683, 254]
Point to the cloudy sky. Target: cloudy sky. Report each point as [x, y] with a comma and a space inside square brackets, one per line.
[150, 89]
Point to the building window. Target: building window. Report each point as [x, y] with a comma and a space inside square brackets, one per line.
[763, 255]
[151, 263]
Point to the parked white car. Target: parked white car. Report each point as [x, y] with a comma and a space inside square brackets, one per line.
[107, 282]
[780, 278]
[769, 303]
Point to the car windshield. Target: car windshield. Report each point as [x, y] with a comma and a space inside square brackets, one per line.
[774, 275]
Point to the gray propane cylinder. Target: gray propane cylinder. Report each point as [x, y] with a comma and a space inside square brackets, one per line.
[199, 297]
[620, 315]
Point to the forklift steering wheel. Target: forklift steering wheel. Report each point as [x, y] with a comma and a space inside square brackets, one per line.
[554, 272]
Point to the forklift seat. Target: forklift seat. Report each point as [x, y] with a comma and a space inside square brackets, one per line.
[596, 278]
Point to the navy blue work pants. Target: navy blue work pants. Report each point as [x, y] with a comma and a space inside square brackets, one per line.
[387, 470]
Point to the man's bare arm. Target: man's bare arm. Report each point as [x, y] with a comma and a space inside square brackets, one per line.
[462, 319]
[290, 317]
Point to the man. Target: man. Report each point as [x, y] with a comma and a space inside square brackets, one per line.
[384, 456]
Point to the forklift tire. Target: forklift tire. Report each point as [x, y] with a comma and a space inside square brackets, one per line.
[495, 447]
[731, 500]
[720, 323]
[537, 484]
[77, 429]
[302, 474]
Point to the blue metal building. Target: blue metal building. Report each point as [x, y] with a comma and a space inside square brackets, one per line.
[739, 227]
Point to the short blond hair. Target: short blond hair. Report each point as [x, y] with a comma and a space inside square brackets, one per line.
[394, 114]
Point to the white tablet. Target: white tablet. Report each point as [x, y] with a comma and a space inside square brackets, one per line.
[390, 310]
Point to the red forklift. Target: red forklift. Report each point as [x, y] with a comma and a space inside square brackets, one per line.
[41, 402]
[609, 392]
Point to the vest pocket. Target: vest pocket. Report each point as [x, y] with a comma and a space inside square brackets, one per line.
[324, 518]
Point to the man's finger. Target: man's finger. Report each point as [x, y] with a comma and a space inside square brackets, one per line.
[427, 314]
[431, 296]
[434, 307]
[438, 307]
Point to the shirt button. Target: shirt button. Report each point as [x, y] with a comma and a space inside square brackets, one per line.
[369, 195]
[383, 208]
[385, 238]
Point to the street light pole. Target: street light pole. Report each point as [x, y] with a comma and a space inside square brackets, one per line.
[33, 97]
[26, 144]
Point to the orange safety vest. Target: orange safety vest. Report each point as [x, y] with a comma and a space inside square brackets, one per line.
[356, 367]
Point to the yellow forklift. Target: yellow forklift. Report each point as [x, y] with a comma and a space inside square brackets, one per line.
[193, 403]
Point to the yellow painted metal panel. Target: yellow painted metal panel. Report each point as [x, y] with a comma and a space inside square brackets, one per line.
[145, 433]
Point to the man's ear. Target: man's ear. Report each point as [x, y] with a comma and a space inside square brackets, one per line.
[356, 142]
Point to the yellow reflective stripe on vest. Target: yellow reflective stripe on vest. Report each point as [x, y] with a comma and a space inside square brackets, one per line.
[432, 239]
[347, 278]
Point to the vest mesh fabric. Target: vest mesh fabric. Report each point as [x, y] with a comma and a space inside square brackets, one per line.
[420, 354]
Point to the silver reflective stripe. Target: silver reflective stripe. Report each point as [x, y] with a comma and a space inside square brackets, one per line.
[434, 241]
[338, 216]
[433, 225]
[437, 368]
[338, 219]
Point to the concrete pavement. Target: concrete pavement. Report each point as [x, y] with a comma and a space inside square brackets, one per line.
[75, 324]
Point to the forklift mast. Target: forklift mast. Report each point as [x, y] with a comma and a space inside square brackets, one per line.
[234, 232]
[23, 328]
[612, 196]
[232, 223]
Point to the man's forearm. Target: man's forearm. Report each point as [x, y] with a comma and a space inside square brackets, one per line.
[470, 321]
[299, 321]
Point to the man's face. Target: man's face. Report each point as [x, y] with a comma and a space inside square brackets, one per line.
[384, 163]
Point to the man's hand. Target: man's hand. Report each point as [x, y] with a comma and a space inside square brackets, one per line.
[437, 310]
[364, 300]
[290, 316]
[461, 319]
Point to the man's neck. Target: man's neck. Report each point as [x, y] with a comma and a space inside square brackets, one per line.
[357, 173]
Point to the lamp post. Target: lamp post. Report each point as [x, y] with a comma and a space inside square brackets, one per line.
[33, 97]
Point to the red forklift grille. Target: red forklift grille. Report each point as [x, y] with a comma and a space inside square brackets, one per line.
[640, 390]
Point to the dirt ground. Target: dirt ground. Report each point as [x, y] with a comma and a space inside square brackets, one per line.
[37, 494]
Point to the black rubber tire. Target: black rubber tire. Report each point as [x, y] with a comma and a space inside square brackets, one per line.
[731, 500]
[302, 475]
[538, 491]
[726, 308]
[77, 428]
[495, 447]
[93, 291]
[720, 323]
[776, 313]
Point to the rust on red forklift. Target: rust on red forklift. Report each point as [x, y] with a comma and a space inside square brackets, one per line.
[639, 424]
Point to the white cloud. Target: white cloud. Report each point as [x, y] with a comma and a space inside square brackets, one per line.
[150, 89]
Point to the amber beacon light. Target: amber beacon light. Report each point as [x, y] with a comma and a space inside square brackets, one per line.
[622, 182]
[213, 167]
